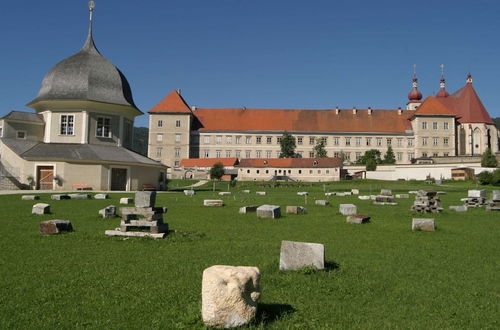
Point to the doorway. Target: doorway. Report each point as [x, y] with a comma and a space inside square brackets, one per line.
[45, 178]
[119, 179]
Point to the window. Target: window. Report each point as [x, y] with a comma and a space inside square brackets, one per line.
[159, 137]
[368, 141]
[67, 124]
[176, 163]
[238, 139]
[379, 141]
[311, 154]
[300, 171]
[347, 141]
[258, 140]
[411, 156]
[399, 156]
[269, 154]
[1, 131]
[103, 127]
[218, 153]
[358, 141]
[424, 125]
[177, 138]
[177, 152]
[335, 141]
[238, 153]
[228, 153]
[206, 153]
[269, 140]
[258, 153]
[435, 154]
[218, 139]
[446, 154]
[278, 140]
[347, 156]
[158, 152]
[424, 154]
[435, 141]
[446, 141]
[399, 142]
[206, 139]
[21, 134]
[424, 141]
[257, 171]
[177, 123]
[336, 154]
[410, 142]
[319, 171]
[247, 154]
[278, 153]
[311, 140]
[389, 142]
[358, 156]
[445, 125]
[299, 140]
[300, 153]
[310, 171]
[229, 139]
[434, 125]
[159, 123]
[327, 171]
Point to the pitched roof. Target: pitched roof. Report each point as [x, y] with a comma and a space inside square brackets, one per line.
[291, 162]
[172, 103]
[208, 162]
[24, 116]
[431, 106]
[465, 103]
[300, 120]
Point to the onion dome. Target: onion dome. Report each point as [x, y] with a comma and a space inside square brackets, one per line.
[86, 76]
[442, 88]
[414, 95]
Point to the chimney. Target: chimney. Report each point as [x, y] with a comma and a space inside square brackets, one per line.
[400, 111]
[337, 110]
[369, 110]
[193, 108]
[354, 110]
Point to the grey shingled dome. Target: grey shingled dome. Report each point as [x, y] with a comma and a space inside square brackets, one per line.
[87, 75]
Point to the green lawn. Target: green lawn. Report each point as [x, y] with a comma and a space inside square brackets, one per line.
[380, 274]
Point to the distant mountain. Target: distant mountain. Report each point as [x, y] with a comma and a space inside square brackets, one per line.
[141, 140]
[497, 121]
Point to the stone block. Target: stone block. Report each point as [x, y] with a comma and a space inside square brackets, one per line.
[423, 224]
[269, 211]
[52, 227]
[295, 210]
[340, 194]
[229, 295]
[386, 192]
[59, 197]
[413, 192]
[224, 193]
[213, 202]
[358, 218]
[330, 194]
[427, 193]
[261, 193]
[108, 212]
[364, 198]
[302, 193]
[189, 192]
[118, 232]
[322, 202]
[126, 200]
[296, 255]
[495, 195]
[248, 209]
[478, 193]
[101, 196]
[458, 208]
[348, 209]
[145, 199]
[355, 191]
[402, 196]
[40, 208]
[246, 191]
[79, 196]
[30, 197]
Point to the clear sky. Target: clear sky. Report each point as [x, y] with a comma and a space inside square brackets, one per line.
[260, 53]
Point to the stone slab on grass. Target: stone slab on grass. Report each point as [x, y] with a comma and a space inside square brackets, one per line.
[458, 208]
[386, 192]
[295, 210]
[40, 208]
[495, 195]
[358, 218]
[229, 295]
[348, 209]
[423, 224]
[145, 199]
[364, 197]
[213, 202]
[79, 196]
[52, 227]
[30, 197]
[108, 212]
[477, 193]
[59, 197]
[302, 193]
[246, 191]
[402, 196]
[248, 209]
[296, 255]
[101, 196]
[189, 192]
[322, 202]
[224, 193]
[355, 191]
[261, 193]
[269, 211]
[126, 200]
[118, 232]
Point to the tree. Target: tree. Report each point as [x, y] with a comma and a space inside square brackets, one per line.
[217, 171]
[287, 145]
[488, 159]
[319, 149]
[371, 164]
[389, 157]
[370, 154]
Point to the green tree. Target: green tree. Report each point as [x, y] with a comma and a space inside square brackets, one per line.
[319, 149]
[389, 157]
[287, 145]
[371, 164]
[217, 171]
[488, 159]
[373, 154]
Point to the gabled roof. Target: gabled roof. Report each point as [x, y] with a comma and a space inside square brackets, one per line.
[300, 120]
[208, 162]
[172, 103]
[24, 116]
[431, 106]
[465, 103]
[291, 162]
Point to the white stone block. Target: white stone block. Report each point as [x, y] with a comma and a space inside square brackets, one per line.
[269, 211]
[348, 209]
[296, 255]
[213, 202]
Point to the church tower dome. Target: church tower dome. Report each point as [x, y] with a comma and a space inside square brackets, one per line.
[415, 95]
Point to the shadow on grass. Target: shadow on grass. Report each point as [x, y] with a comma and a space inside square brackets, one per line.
[331, 266]
[268, 313]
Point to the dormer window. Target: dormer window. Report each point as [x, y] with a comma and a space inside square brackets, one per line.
[67, 125]
[103, 127]
[21, 135]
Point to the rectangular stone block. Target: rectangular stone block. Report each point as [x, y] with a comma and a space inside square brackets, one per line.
[423, 224]
[246, 191]
[145, 199]
[108, 212]
[495, 195]
[133, 234]
[295, 210]
[261, 193]
[213, 202]
[302, 193]
[59, 197]
[145, 213]
[30, 197]
[364, 198]
[402, 196]
[269, 211]
[248, 209]
[52, 227]
[330, 194]
[40, 208]
[358, 218]
[101, 196]
[458, 208]
[189, 192]
[479, 193]
[224, 193]
[126, 200]
[322, 202]
[340, 194]
[296, 255]
[79, 196]
[355, 191]
[348, 209]
[386, 192]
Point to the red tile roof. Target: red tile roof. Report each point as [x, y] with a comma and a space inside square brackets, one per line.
[465, 103]
[291, 162]
[238, 119]
[431, 106]
[208, 162]
[172, 103]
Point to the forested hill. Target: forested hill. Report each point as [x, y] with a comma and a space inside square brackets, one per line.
[497, 121]
[141, 140]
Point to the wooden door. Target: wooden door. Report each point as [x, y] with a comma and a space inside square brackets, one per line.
[119, 179]
[45, 177]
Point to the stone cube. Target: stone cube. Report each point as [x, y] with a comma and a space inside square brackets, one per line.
[101, 196]
[322, 202]
[40, 208]
[478, 193]
[126, 200]
[248, 209]
[52, 227]
[213, 202]
[423, 224]
[296, 255]
[30, 197]
[229, 295]
[145, 199]
[348, 209]
[295, 210]
[108, 212]
[358, 218]
[269, 211]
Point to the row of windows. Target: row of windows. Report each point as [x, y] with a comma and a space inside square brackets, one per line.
[286, 172]
[67, 125]
[434, 154]
[159, 137]
[159, 123]
[435, 141]
[159, 152]
[434, 125]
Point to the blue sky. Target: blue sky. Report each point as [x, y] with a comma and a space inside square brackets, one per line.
[260, 53]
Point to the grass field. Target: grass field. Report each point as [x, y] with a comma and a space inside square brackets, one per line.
[380, 274]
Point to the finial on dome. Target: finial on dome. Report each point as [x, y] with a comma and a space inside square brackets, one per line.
[414, 95]
[469, 78]
[442, 85]
[91, 12]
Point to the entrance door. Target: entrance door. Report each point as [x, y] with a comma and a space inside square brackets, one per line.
[118, 179]
[45, 178]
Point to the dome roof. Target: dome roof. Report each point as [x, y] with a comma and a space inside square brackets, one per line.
[414, 95]
[442, 88]
[86, 76]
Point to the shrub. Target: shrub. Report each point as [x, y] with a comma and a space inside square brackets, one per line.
[488, 159]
